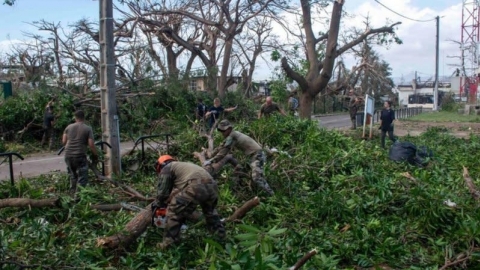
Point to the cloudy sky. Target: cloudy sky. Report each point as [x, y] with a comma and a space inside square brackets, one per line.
[417, 53]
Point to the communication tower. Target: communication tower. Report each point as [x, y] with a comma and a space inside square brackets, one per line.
[470, 48]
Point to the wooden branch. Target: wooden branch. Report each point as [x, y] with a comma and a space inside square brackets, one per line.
[471, 186]
[201, 156]
[455, 262]
[302, 82]
[132, 231]
[409, 176]
[110, 207]
[127, 188]
[24, 202]
[359, 39]
[140, 222]
[303, 260]
[242, 211]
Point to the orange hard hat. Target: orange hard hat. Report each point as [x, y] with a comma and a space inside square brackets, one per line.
[164, 158]
[161, 161]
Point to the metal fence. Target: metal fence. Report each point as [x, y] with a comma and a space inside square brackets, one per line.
[400, 113]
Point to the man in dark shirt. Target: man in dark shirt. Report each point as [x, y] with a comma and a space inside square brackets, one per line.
[215, 112]
[200, 110]
[48, 123]
[387, 117]
[269, 107]
[76, 138]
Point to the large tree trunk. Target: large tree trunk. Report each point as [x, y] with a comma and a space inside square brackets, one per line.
[305, 109]
[222, 83]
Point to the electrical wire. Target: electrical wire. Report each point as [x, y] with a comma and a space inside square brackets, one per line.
[403, 15]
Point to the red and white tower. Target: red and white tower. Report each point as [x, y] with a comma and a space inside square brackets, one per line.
[470, 48]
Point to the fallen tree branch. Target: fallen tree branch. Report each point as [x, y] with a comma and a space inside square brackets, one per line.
[460, 259]
[242, 211]
[303, 260]
[133, 230]
[471, 186]
[140, 222]
[409, 176]
[19, 265]
[131, 191]
[24, 202]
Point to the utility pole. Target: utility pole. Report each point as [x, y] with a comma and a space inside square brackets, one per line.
[437, 50]
[110, 131]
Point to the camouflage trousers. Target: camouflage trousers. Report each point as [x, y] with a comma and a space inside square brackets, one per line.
[77, 168]
[197, 192]
[257, 164]
[214, 168]
[48, 134]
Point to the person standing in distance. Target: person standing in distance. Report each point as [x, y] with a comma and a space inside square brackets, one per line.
[353, 108]
[76, 138]
[387, 117]
[48, 123]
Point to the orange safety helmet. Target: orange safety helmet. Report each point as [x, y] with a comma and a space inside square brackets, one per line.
[162, 161]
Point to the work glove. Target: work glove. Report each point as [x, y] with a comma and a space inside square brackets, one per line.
[206, 163]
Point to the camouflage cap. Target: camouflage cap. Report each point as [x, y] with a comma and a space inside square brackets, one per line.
[224, 125]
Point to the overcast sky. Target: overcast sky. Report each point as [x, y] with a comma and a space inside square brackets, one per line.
[417, 53]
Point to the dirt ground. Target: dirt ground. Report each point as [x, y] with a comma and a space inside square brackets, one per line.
[458, 129]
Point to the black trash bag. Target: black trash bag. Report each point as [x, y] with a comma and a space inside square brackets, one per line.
[424, 152]
[407, 151]
[423, 156]
[403, 151]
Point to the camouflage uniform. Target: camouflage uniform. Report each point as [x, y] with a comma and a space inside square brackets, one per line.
[196, 187]
[249, 147]
[215, 168]
[353, 108]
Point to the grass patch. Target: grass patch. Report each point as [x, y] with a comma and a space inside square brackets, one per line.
[445, 117]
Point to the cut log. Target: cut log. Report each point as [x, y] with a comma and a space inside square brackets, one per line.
[23, 202]
[242, 211]
[471, 186]
[142, 220]
[132, 231]
[303, 260]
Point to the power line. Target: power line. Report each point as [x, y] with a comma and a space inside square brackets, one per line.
[403, 15]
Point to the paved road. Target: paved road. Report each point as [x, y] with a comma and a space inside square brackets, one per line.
[41, 163]
[44, 163]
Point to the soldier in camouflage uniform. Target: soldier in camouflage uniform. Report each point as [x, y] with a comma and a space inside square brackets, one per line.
[249, 146]
[353, 108]
[196, 186]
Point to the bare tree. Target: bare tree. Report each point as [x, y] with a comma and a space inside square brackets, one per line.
[320, 69]
[251, 44]
[220, 20]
